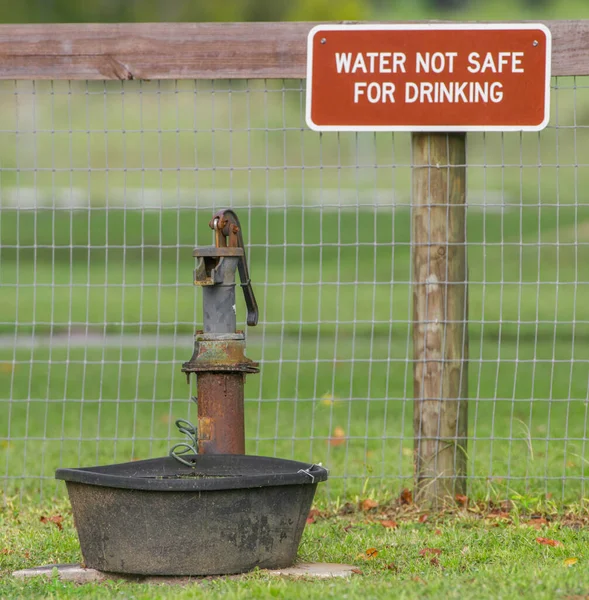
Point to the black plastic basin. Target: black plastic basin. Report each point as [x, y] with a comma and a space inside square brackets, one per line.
[227, 514]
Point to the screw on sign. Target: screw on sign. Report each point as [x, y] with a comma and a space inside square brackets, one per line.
[428, 77]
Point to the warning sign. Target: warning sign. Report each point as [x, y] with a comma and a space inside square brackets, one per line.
[492, 77]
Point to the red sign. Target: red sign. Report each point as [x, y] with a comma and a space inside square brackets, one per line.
[492, 77]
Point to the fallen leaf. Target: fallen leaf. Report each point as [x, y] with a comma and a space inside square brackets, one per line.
[430, 552]
[406, 497]
[423, 518]
[504, 516]
[328, 399]
[537, 523]
[56, 519]
[347, 509]
[438, 532]
[392, 567]
[371, 552]
[6, 551]
[338, 437]
[462, 499]
[389, 524]
[313, 514]
[357, 571]
[434, 562]
[569, 562]
[27, 555]
[368, 504]
[348, 527]
[548, 542]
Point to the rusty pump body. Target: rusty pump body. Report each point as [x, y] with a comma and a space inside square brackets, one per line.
[219, 360]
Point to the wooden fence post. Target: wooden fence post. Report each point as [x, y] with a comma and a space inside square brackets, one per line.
[440, 314]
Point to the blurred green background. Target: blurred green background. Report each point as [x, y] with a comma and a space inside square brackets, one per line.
[106, 187]
[112, 11]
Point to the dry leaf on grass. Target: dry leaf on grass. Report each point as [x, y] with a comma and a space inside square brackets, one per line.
[338, 437]
[548, 542]
[503, 516]
[537, 523]
[569, 562]
[461, 499]
[357, 571]
[430, 552]
[438, 532]
[389, 524]
[406, 497]
[313, 514]
[56, 519]
[423, 518]
[348, 508]
[368, 554]
[328, 399]
[368, 504]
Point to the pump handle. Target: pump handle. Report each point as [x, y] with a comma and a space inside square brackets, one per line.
[227, 230]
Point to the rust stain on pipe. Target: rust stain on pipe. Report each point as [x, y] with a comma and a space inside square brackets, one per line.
[221, 428]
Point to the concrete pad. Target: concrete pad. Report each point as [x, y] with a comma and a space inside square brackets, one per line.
[76, 573]
[318, 570]
[71, 572]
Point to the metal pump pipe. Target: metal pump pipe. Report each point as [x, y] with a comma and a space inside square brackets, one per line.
[219, 360]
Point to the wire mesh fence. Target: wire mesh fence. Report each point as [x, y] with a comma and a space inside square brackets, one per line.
[107, 186]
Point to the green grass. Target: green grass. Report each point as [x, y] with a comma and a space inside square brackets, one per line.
[129, 270]
[480, 555]
[191, 143]
[333, 342]
[131, 399]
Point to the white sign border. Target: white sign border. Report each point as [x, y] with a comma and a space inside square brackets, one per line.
[428, 27]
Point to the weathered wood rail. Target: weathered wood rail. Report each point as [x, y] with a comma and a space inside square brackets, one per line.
[198, 50]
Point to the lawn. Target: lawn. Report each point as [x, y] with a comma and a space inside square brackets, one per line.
[336, 380]
[477, 552]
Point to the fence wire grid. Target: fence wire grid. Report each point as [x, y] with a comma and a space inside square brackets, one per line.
[105, 189]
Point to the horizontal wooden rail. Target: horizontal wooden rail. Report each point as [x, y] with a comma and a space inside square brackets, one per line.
[198, 50]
